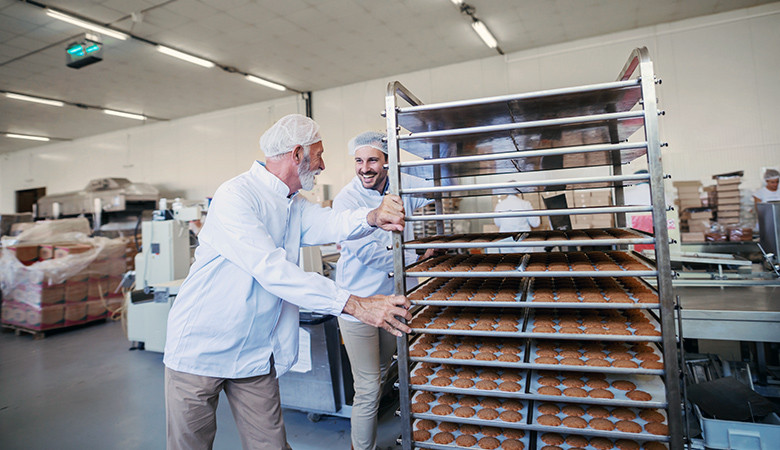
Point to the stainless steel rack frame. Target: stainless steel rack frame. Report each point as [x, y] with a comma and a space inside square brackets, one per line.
[583, 126]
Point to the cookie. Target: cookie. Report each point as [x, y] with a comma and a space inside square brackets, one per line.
[464, 411]
[600, 393]
[626, 444]
[548, 390]
[575, 392]
[597, 363]
[443, 438]
[547, 353]
[489, 443]
[628, 426]
[421, 435]
[623, 364]
[512, 405]
[440, 354]
[623, 385]
[512, 444]
[548, 408]
[425, 424]
[465, 440]
[449, 427]
[573, 410]
[549, 381]
[511, 376]
[463, 383]
[552, 438]
[468, 401]
[490, 375]
[487, 414]
[651, 415]
[598, 412]
[423, 371]
[442, 410]
[463, 355]
[549, 420]
[469, 429]
[640, 396]
[441, 381]
[653, 365]
[572, 362]
[597, 384]
[448, 399]
[445, 372]
[573, 382]
[545, 360]
[508, 358]
[574, 422]
[510, 416]
[420, 407]
[418, 379]
[486, 385]
[657, 428]
[490, 402]
[509, 386]
[491, 431]
[601, 424]
[512, 433]
[601, 443]
[623, 414]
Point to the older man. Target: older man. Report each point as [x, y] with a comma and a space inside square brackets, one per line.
[363, 269]
[234, 324]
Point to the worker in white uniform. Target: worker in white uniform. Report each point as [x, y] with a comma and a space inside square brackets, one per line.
[513, 202]
[234, 324]
[768, 193]
[363, 269]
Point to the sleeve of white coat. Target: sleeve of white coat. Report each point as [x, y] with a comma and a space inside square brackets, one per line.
[326, 225]
[371, 250]
[533, 221]
[241, 236]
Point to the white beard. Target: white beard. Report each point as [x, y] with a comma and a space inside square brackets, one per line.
[306, 175]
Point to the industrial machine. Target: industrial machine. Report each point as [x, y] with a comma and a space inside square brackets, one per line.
[160, 268]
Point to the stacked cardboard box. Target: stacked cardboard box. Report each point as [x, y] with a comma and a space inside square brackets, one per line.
[590, 199]
[688, 195]
[728, 199]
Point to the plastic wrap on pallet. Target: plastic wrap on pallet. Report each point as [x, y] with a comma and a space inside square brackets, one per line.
[65, 277]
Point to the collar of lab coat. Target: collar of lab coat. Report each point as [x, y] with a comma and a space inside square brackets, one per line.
[270, 180]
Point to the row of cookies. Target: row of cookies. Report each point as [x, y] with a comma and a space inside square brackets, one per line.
[619, 355]
[468, 436]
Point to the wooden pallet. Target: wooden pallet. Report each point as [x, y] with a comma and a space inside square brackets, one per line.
[40, 334]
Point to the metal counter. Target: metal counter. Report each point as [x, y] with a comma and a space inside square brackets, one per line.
[744, 313]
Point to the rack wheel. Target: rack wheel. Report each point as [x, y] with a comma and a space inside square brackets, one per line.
[314, 417]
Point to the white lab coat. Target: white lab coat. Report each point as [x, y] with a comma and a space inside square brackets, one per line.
[239, 303]
[515, 224]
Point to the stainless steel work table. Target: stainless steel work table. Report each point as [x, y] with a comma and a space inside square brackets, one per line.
[738, 313]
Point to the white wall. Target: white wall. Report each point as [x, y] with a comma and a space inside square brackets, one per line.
[719, 91]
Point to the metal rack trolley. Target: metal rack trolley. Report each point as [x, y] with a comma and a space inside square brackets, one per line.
[555, 129]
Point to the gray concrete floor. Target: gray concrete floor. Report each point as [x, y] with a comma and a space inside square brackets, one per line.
[83, 389]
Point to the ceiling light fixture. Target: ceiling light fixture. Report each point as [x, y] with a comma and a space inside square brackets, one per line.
[27, 98]
[265, 83]
[457, 2]
[87, 25]
[185, 57]
[27, 136]
[484, 33]
[126, 115]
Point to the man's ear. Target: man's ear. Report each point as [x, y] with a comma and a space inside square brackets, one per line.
[297, 154]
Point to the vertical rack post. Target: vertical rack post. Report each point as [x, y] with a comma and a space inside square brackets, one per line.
[663, 262]
[399, 276]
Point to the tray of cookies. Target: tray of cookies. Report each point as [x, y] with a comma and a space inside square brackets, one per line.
[629, 325]
[490, 292]
[596, 356]
[468, 350]
[430, 434]
[467, 380]
[613, 422]
[643, 391]
[483, 411]
[590, 293]
[464, 321]
[569, 264]
[549, 441]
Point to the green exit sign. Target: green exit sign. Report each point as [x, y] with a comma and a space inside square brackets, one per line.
[82, 53]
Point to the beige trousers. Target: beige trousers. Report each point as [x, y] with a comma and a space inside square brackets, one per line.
[191, 410]
[370, 352]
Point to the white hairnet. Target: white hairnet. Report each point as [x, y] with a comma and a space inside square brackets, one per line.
[771, 174]
[287, 132]
[368, 139]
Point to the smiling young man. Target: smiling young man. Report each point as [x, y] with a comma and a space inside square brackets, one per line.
[363, 269]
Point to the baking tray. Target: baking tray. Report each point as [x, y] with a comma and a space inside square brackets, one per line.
[516, 357]
[515, 265]
[650, 384]
[533, 353]
[566, 446]
[520, 375]
[547, 238]
[641, 436]
[535, 313]
[521, 423]
[434, 298]
[510, 317]
[429, 444]
[635, 302]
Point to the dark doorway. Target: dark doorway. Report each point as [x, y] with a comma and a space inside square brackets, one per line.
[26, 198]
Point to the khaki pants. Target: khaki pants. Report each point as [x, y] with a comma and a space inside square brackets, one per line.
[191, 410]
[370, 352]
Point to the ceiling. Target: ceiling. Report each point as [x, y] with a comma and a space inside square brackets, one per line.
[306, 45]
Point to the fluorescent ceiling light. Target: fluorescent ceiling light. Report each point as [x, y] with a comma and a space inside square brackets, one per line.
[124, 114]
[184, 56]
[484, 33]
[265, 83]
[28, 137]
[457, 2]
[27, 98]
[88, 25]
